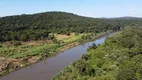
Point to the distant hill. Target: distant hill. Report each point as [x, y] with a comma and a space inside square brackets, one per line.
[38, 26]
[128, 17]
[46, 20]
[125, 17]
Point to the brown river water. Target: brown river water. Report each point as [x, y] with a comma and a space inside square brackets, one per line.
[47, 69]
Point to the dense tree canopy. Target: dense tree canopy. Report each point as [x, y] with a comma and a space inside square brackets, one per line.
[38, 26]
[118, 58]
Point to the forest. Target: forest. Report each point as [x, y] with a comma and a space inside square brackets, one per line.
[118, 58]
[29, 38]
[39, 26]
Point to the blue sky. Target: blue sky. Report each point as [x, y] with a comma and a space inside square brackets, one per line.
[90, 8]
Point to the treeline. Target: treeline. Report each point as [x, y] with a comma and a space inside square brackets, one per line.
[39, 26]
[119, 58]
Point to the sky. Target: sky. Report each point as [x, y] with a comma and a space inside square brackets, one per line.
[89, 8]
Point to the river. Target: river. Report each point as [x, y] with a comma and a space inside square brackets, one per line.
[46, 69]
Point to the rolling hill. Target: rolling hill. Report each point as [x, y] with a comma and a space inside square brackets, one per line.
[39, 26]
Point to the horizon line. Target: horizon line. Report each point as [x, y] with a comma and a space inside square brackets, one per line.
[67, 12]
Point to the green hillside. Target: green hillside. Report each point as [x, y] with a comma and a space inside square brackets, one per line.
[39, 26]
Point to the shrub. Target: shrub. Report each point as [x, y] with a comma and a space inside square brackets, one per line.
[126, 75]
[0, 45]
[94, 46]
[17, 44]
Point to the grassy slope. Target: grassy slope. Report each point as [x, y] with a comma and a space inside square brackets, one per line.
[118, 58]
[69, 38]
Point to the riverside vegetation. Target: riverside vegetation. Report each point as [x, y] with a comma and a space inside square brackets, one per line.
[17, 54]
[118, 58]
[26, 39]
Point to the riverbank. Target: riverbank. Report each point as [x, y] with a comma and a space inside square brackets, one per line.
[34, 54]
[118, 58]
[101, 36]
